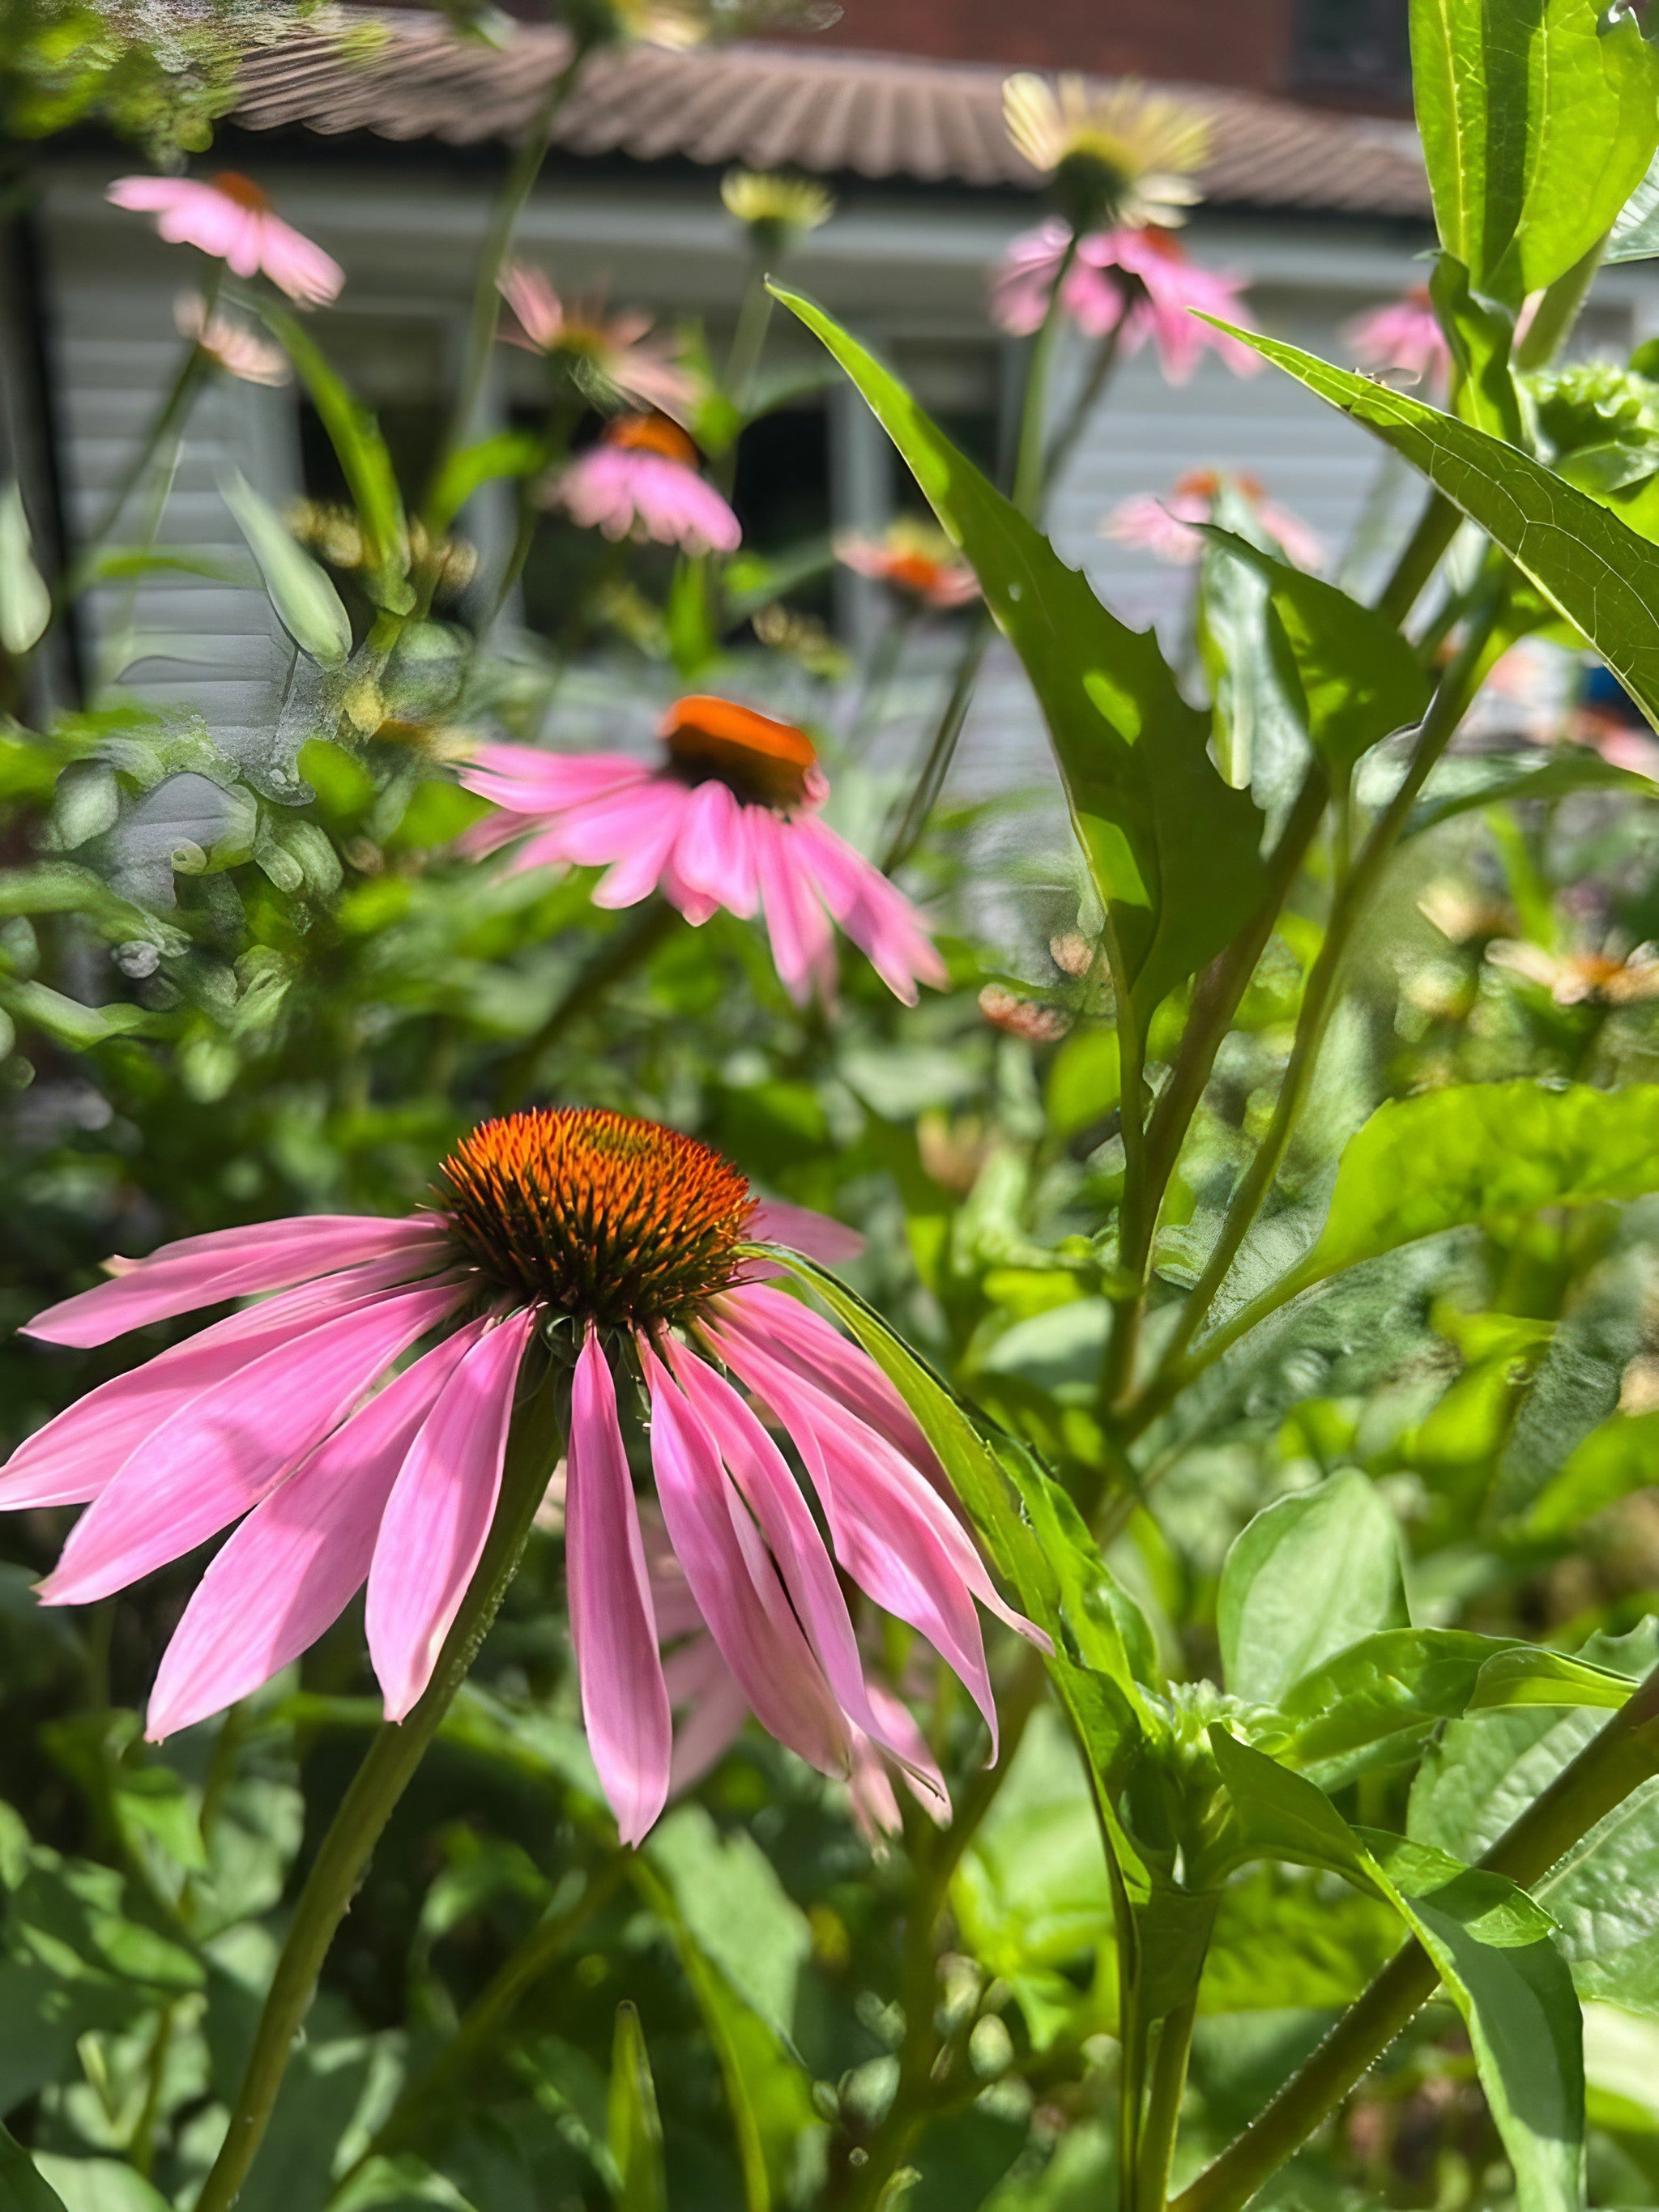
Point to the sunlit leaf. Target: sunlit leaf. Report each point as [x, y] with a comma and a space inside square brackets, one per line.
[1310, 1574]
[309, 607]
[25, 602]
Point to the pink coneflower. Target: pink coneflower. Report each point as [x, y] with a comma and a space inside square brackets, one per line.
[728, 818]
[619, 1247]
[1405, 336]
[1166, 527]
[911, 559]
[606, 354]
[641, 481]
[230, 345]
[229, 217]
[1140, 278]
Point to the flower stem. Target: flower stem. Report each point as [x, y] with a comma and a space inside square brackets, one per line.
[1166, 2085]
[387, 1769]
[936, 762]
[1617, 1760]
[619, 955]
[1029, 475]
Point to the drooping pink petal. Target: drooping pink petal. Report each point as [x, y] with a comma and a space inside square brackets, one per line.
[803, 1230]
[736, 1587]
[881, 920]
[297, 264]
[149, 195]
[703, 1687]
[792, 1332]
[526, 780]
[432, 1533]
[803, 945]
[296, 1562]
[901, 1735]
[713, 853]
[773, 1496]
[224, 1450]
[229, 1263]
[660, 812]
[612, 1628]
[75, 1458]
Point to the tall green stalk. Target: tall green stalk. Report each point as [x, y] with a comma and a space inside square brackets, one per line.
[387, 1771]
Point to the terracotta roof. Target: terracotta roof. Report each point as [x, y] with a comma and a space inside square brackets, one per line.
[820, 109]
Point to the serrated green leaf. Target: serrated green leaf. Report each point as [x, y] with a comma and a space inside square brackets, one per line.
[1309, 1574]
[1379, 1695]
[1602, 575]
[307, 603]
[1172, 848]
[1537, 124]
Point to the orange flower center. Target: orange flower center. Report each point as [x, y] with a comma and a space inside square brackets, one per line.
[766, 763]
[243, 190]
[914, 572]
[650, 433]
[595, 1215]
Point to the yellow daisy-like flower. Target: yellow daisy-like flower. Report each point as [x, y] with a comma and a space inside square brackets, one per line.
[1120, 156]
[776, 210]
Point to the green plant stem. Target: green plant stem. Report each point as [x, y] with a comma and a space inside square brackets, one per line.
[941, 750]
[619, 955]
[1139, 1208]
[748, 341]
[1166, 2085]
[1617, 1760]
[192, 368]
[1100, 374]
[386, 1770]
[1558, 310]
[526, 167]
[1031, 475]
[406, 2123]
[1451, 701]
[1436, 528]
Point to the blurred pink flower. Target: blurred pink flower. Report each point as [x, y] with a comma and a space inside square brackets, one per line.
[1166, 528]
[1140, 278]
[727, 819]
[567, 1221]
[610, 352]
[229, 217]
[641, 481]
[229, 344]
[912, 559]
[1404, 334]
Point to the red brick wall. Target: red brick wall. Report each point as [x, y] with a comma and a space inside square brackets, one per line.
[1233, 42]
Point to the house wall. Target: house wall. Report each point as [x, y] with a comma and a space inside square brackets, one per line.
[907, 272]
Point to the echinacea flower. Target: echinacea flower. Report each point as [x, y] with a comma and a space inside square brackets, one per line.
[230, 217]
[1167, 528]
[230, 345]
[913, 559]
[1117, 155]
[641, 481]
[1404, 336]
[625, 1250]
[1585, 978]
[728, 818]
[607, 356]
[777, 212]
[1141, 279]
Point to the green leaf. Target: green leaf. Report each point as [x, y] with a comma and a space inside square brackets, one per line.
[1358, 680]
[1172, 848]
[1377, 1697]
[1484, 1154]
[1635, 236]
[25, 602]
[1602, 576]
[309, 607]
[1490, 1943]
[1311, 1574]
[1621, 1457]
[1526, 1676]
[1482, 339]
[97, 2185]
[736, 1911]
[634, 2129]
[506, 454]
[1460, 785]
[1084, 1081]
[1538, 123]
[67, 1021]
[21, 2188]
[1260, 717]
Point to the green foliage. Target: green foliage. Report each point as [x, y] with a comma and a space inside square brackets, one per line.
[1308, 1576]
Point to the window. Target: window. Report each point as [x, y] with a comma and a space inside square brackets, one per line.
[1353, 48]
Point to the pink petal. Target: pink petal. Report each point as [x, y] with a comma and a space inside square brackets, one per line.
[803, 947]
[526, 780]
[777, 1222]
[788, 1331]
[433, 1531]
[228, 1263]
[222, 1452]
[657, 815]
[149, 195]
[296, 265]
[699, 1678]
[879, 919]
[713, 853]
[921, 1770]
[612, 1628]
[294, 1565]
[734, 1583]
[75, 1458]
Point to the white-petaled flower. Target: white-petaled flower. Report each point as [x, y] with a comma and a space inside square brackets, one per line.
[776, 210]
[1117, 156]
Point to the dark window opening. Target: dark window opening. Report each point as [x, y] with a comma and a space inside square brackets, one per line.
[781, 492]
[1356, 48]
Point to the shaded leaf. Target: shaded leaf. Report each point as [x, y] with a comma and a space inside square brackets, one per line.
[1309, 1574]
[25, 602]
[634, 2128]
[1468, 782]
[309, 607]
